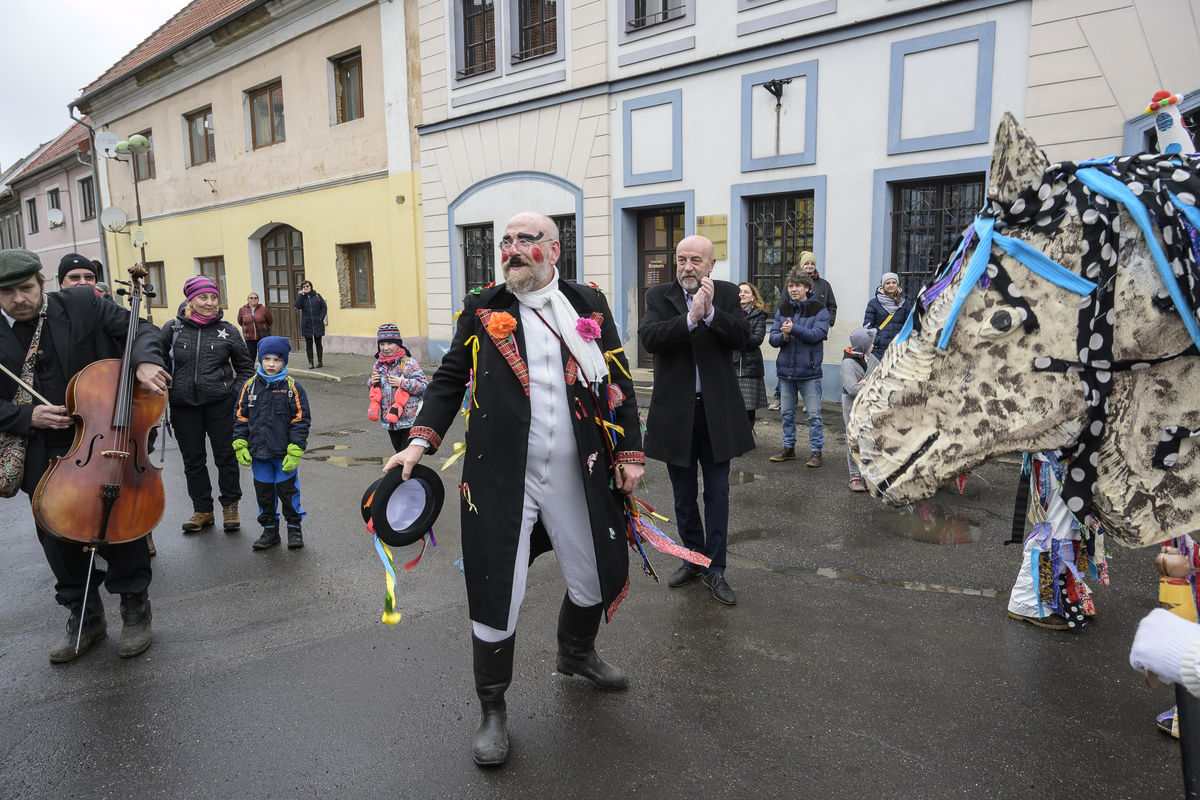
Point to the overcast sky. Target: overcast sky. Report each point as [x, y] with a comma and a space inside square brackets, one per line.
[52, 49]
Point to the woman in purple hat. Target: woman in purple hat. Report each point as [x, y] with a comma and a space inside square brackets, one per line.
[209, 362]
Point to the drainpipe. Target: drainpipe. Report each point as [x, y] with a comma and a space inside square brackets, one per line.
[95, 188]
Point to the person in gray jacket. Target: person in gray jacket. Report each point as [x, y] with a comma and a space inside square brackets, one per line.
[857, 364]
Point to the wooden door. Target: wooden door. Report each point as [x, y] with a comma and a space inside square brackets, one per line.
[659, 231]
[283, 270]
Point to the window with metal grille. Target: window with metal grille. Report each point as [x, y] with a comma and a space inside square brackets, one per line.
[779, 230]
[348, 87]
[87, 198]
[928, 218]
[202, 145]
[537, 28]
[479, 37]
[266, 115]
[143, 163]
[567, 270]
[652, 12]
[479, 254]
[1190, 121]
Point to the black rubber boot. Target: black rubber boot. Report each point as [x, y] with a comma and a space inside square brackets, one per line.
[95, 629]
[295, 537]
[493, 673]
[135, 627]
[269, 538]
[577, 628]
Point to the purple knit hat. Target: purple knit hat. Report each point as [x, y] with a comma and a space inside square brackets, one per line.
[199, 285]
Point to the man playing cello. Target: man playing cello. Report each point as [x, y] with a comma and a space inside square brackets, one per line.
[65, 331]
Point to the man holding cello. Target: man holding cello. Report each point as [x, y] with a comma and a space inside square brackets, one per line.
[73, 328]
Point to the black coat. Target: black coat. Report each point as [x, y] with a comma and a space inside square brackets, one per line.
[209, 363]
[498, 443]
[84, 328]
[876, 315]
[678, 353]
[748, 363]
[312, 314]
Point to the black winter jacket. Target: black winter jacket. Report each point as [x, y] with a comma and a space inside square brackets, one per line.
[208, 363]
[271, 416]
[748, 363]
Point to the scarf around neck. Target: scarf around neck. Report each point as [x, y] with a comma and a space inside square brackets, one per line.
[563, 317]
[276, 378]
[889, 305]
[200, 319]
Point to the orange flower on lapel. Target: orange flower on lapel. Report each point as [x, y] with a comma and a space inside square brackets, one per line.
[501, 325]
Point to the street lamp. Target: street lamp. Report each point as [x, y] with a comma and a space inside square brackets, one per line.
[129, 150]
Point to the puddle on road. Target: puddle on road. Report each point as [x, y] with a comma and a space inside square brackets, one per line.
[328, 453]
[741, 476]
[918, 586]
[932, 523]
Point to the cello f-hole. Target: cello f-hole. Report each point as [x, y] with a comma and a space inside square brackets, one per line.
[91, 447]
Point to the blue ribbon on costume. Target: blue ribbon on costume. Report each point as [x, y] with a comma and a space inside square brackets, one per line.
[1114, 189]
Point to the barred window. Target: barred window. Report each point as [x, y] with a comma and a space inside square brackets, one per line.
[567, 270]
[537, 28]
[479, 250]
[652, 12]
[479, 37]
[779, 230]
[928, 218]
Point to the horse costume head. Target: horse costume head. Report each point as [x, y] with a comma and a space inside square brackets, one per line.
[1065, 321]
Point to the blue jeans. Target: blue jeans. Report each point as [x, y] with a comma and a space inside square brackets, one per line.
[810, 390]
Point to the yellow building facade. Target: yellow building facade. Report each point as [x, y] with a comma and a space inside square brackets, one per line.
[269, 164]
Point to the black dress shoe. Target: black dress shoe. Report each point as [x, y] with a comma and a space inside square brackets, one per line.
[683, 576]
[715, 581]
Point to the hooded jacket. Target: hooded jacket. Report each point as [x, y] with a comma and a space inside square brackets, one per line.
[208, 362]
[801, 354]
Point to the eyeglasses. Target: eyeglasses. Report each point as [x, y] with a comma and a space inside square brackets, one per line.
[523, 242]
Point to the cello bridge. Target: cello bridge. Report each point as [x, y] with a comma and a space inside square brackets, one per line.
[115, 453]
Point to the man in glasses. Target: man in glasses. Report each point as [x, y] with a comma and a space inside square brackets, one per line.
[542, 468]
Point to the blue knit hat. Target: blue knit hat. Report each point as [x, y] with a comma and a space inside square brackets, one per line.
[274, 346]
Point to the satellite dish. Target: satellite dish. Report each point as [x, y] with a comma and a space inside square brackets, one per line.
[105, 142]
[56, 218]
[113, 219]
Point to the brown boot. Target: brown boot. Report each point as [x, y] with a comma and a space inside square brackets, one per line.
[198, 522]
[786, 454]
[229, 516]
[814, 459]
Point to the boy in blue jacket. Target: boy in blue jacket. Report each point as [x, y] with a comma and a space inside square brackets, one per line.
[801, 326]
[270, 435]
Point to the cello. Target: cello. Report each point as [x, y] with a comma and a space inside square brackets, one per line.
[105, 490]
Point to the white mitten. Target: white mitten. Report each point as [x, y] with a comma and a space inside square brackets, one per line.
[1167, 645]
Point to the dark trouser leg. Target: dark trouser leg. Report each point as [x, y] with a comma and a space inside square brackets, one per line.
[577, 629]
[252, 346]
[716, 502]
[289, 500]
[218, 420]
[69, 563]
[399, 438]
[750, 415]
[308, 349]
[268, 517]
[188, 423]
[320, 351]
[493, 666]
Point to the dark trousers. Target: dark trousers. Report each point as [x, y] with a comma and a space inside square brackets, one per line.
[128, 570]
[276, 489]
[192, 424]
[308, 348]
[710, 537]
[399, 438]
[252, 346]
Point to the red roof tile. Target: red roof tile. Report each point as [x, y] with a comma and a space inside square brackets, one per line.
[195, 17]
[74, 138]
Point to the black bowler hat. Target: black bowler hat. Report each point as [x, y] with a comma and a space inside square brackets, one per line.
[401, 511]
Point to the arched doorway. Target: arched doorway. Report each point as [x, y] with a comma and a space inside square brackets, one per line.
[283, 270]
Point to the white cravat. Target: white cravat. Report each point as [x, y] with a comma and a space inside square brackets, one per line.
[563, 318]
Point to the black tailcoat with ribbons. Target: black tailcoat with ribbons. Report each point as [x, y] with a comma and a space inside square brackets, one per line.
[497, 442]
[678, 354]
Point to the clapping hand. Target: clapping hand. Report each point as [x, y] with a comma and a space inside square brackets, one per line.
[702, 301]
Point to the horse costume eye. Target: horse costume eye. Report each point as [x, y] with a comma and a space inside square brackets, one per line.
[1002, 323]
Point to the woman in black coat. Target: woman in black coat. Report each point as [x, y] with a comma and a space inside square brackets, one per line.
[209, 363]
[312, 321]
[748, 363]
[886, 312]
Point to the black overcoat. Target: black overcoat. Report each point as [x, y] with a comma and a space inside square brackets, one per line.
[678, 353]
[493, 487]
[84, 328]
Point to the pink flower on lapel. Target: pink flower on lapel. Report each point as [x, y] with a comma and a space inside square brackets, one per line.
[587, 329]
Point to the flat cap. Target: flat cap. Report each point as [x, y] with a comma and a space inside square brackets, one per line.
[18, 265]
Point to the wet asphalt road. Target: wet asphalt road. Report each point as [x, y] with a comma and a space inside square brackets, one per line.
[867, 657]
